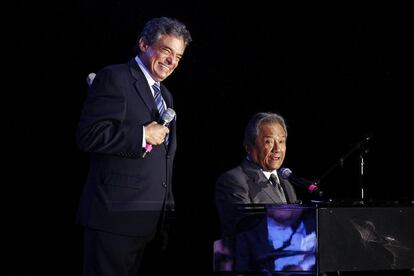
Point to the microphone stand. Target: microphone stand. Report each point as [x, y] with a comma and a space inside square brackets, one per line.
[361, 146]
[362, 154]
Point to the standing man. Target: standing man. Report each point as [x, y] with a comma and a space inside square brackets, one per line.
[128, 187]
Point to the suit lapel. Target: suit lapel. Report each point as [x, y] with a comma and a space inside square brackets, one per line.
[285, 189]
[289, 190]
[142, 86]
[270, 191]
[259, 179]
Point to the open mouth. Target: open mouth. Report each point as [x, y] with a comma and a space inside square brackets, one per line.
[275, 158]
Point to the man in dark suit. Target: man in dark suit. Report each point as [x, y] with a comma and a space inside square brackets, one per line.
[250, 182]
[128, 188]
[255, 181]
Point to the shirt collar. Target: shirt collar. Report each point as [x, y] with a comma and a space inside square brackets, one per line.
[144, 69]
[266, 173]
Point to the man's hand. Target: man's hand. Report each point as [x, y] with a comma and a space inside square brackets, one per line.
[155, 133]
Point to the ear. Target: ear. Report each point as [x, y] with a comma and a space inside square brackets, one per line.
[142, 44]
[247, 148]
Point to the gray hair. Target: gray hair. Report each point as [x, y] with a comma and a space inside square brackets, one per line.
[156, 27]
[253, 126]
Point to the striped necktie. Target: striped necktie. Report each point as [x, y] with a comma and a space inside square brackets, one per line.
[159, 101]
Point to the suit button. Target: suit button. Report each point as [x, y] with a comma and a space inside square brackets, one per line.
[164, 184]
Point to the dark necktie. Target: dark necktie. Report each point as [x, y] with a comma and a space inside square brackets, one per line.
[276, 184]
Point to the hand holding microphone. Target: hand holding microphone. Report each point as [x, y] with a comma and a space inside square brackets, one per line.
[156, 132]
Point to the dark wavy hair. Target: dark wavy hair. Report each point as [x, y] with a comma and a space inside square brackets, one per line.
[156, 27]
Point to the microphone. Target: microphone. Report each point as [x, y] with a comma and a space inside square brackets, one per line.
[166, 118]
[312, 187]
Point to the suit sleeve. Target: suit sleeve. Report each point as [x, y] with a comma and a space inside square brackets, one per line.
[231, 189]
[229, 193]
[103, 126]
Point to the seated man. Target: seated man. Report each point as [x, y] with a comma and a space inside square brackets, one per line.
[254, 182]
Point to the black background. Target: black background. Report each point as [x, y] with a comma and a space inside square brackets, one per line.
[337, 73]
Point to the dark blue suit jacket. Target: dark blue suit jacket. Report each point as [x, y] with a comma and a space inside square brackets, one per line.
[124, 193]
